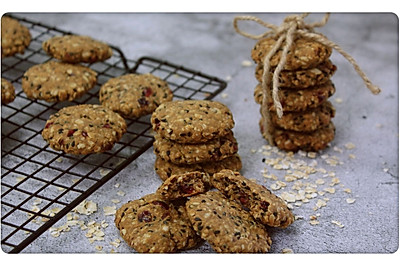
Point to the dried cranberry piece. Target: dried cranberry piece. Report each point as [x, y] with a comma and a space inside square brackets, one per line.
[84, 133]
[106, 125]
[48, 124]
[145, 216]
[147, 92]
[185, 188]
[264, 205]
[161, 203]
[71, 132]
[243, 198]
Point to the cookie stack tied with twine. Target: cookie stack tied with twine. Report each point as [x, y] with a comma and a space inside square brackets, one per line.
[194, 135]
[294, 72]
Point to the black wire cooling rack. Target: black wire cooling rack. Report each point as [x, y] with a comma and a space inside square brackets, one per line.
[31, 172]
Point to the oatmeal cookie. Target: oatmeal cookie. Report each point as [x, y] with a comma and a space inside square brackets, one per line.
[213, 150]
[192, 121]
[56, 81]
[7, 91]
[166, 169]
[77, 49]
[15, 37]
[306, 121]
[225, 225]
[135, 95]
[83, 129]
[184, 185]
[263, 205]
[298, 100]
[303, 54]
[294, 141]
[153, 225]
[303, 78]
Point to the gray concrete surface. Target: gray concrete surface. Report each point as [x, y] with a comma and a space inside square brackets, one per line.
[208, 43]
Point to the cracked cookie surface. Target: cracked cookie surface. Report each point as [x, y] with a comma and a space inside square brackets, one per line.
[225, 225]
[152, 225]
[263, 205]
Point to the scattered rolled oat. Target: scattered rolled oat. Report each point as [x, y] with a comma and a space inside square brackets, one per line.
[350, 200]
[339, 224]
[247, 63]
[109, 210]
[287, 251]
[86, 207]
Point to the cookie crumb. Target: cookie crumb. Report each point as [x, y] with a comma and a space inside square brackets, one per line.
[287, 251]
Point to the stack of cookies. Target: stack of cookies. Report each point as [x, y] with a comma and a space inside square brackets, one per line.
[194, 135]
[304, 88]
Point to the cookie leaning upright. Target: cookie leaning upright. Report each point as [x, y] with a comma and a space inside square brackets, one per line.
[83, 129]
[14, 37]
[192, 121]
[7, 91]
[77, 49]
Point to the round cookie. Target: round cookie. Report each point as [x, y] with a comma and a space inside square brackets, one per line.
[295, 141]
[303, 78]
[7, 91]
[15, 37]
[303, 54]
[135, 95]
[153, 225]
[306, 121]
[77, 49]
[57, 81]
[213, 150]
[263, 205]
[83, 129]
[225, 225]
[192, 121]
[166, 169]
[298, 100]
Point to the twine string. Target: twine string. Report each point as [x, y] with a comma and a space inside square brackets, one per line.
[292, 27]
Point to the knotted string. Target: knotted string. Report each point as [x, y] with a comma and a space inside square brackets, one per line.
[292, 27]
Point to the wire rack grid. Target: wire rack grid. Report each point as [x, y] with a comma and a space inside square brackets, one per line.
[39, 186]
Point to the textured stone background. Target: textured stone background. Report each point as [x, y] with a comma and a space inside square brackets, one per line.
[208, 43]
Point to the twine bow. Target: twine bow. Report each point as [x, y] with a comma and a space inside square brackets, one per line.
[292, 27]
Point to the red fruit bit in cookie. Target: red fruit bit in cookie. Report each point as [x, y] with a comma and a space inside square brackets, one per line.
[264, 205]
[187, 189]
[243, 198]
[71, 132]
[147, 92]
[107, 125]
[48, 124]
[145, 216]
[84, 133]
[161, 203]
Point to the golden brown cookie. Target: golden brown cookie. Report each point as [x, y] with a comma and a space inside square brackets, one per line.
[83, 129]
[262, 204]
[166, 169]
[56, 81]
[192, 121]
[304, 53]
[14, 37]
[226, 225]
[184, 185]
[305, 121]
[295, 141]
[303, 78]
[211, 151]
[152, 225]
[298, 100]
[7, 91]
[135, 95]
[77, 49]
